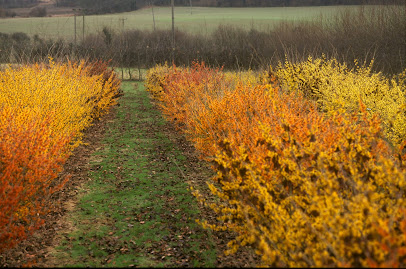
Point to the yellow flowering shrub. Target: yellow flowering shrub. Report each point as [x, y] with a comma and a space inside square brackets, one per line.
[155, 79]
[247, 78]
[336, 86]
[310, 201]
[67, 90]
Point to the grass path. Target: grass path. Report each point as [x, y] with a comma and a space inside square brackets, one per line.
[136, 209]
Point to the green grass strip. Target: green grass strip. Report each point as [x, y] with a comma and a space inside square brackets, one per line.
[136, 209]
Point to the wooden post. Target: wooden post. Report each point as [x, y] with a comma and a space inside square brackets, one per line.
[83, 26]
[75, 25]
[122, 23]
[153, 15]
[173, 31]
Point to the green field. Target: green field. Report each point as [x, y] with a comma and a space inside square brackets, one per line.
[198, 20]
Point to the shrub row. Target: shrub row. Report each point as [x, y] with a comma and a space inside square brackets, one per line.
[301, 186]
[43, 110]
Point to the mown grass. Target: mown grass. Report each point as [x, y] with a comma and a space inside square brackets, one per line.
[195, 20]
[136, 209]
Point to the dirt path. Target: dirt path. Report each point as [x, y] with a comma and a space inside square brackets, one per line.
[128, 203]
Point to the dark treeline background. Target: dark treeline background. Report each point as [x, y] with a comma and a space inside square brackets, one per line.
[99, 6]
[364, 34]
[111, 6]
[272, 3]
[18, 3]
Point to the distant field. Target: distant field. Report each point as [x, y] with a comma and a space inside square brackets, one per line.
[202, 20]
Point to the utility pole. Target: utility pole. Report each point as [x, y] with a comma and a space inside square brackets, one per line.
[153, 15]
[74, 23]
[83, 23]
[122, 24]
[83, 26]
[173, 31]
[190, 7]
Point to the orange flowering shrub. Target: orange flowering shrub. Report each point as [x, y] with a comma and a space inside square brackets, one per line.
[304, 188]
[43, 110]
[31, 156]
[174, 84]
[198, 99]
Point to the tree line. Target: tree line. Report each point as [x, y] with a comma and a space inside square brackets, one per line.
[274, 3]
[17, 3]
[111, 6]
